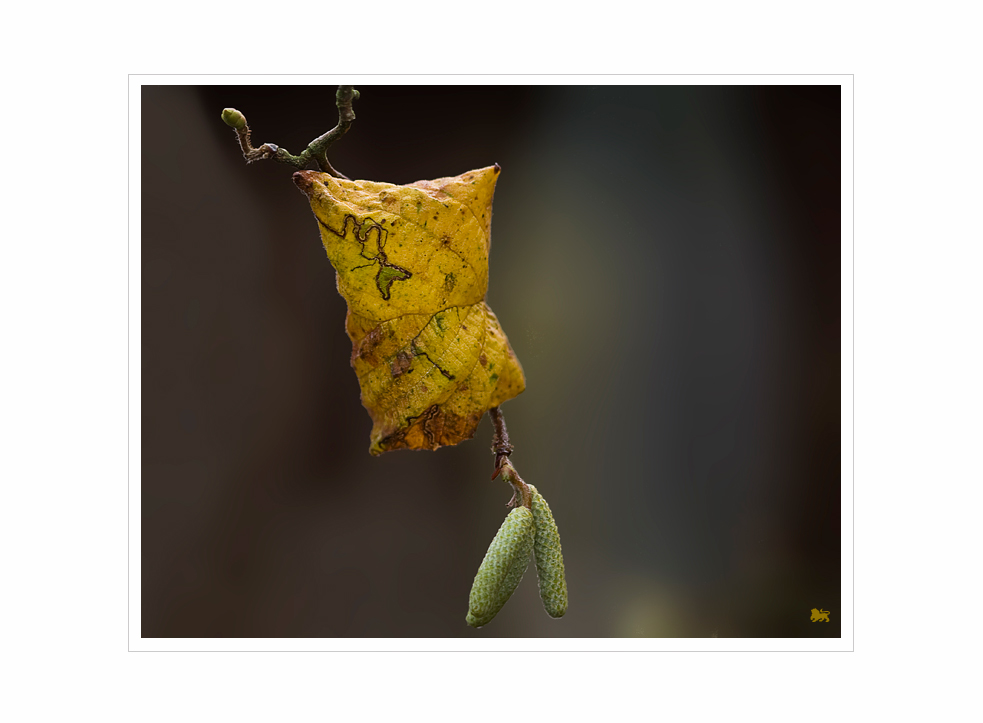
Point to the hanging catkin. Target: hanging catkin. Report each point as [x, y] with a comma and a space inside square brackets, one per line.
[503, 567]
[549, 558]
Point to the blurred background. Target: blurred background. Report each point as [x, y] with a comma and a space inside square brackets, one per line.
[666, 264]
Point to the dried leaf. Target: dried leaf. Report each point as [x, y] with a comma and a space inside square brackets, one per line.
[412, 263]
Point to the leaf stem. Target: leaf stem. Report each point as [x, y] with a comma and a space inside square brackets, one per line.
[317, 150]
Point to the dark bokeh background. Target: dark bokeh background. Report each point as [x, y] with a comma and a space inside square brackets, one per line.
[666, 263]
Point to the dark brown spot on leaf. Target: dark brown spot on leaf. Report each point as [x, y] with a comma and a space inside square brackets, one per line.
[401, 363]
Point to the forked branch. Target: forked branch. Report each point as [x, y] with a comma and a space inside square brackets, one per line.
[317, 150]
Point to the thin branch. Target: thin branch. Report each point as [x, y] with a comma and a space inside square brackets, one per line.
[502, 448]
[317, 150]
[500, 442]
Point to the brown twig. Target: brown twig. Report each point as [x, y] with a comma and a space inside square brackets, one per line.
[267, 150]
[500, 442]
[502, 448]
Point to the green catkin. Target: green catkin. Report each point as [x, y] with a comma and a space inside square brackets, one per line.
[549, 558]
[504, 565]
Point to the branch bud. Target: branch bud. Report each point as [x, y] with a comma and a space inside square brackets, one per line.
[234, 118]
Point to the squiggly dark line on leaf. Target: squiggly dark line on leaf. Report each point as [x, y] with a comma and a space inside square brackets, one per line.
[383, 279]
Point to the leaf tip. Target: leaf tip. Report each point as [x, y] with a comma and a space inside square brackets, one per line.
[303, 181]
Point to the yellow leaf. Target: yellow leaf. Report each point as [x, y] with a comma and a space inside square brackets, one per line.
[412, 263]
